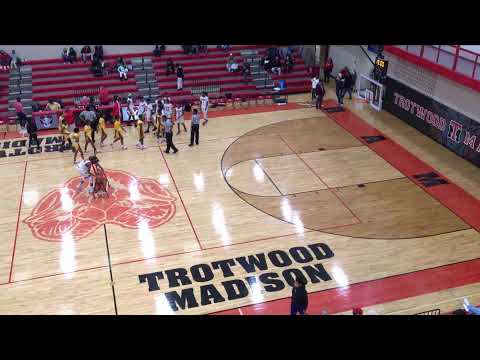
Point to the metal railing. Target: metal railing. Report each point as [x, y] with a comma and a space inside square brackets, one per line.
[430, 312]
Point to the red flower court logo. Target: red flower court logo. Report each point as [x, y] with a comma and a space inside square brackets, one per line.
[132, 202]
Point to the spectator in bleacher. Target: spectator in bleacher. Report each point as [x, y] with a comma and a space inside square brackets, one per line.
[65, 55]
[84, 101]
[327, 69]
[289, 62]
[170, 67]
[72, 55]
[103, 95]
[15, 60]
[232, 66]
[180, 77]
[122, 72]
[86, 53]
[276, 66]
[5, 60]
[202, 49]
[157, 52]
[52, 105]
[32, 133]
[98, 52]
[97, 67]
[246, 72]
[21, 117]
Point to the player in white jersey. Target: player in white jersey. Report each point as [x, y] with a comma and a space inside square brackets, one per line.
[148, 115]
[167, 109]
[179, 117]
[131, 108]
[142, 108]
[204, 107]
[84, 168]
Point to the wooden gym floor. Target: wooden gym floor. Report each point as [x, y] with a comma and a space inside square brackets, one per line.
[344, 199]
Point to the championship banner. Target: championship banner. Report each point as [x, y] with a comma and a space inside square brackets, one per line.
[450, 128]
[46, 120]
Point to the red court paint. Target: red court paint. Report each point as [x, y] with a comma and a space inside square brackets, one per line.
[452, 196]
[18, 223]
[374, 292]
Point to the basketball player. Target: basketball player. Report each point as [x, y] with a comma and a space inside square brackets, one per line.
[148, 114]
[63, 128]
[131, 108]
[160, 129]
[179, 118]
[87, 129]
[204, 107]
[167, 109]
[84, 167]
[119, 131]
[75, 139]
[102, 127]
[141, 134]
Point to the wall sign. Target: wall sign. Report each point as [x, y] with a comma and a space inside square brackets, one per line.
[450, 128]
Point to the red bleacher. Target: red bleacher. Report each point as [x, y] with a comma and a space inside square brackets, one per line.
[51, 78]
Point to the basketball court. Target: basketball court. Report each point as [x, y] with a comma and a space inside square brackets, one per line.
[357, 202]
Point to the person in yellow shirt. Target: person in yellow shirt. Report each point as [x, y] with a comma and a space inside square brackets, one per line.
[160, 132]
[65, 134]
[52, 106]
[119, 131]
[141, 133]
[102, 127]
[87, 129]
[75, 139]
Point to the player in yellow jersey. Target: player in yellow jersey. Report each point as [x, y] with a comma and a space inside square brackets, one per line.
[160, 132]
[119, 131]
[102, 127]
[141, 133]
[87, 129]
[75, 139]
[65, 134]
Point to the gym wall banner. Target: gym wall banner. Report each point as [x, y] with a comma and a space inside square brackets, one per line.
[450, 128]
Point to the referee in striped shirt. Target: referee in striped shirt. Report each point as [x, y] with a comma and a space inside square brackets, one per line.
[169, 134]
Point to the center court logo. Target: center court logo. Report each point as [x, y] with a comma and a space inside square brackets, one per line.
[133, 202]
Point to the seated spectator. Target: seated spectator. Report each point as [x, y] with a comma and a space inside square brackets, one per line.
[104, 95]
[122, 72]
[170, 67]
[225, 48]
[98, 52]
[187, 49]
[232, 66]
[72, 55]
[120, 61]
[246, 72]
[52, 105]
[97, 67]
[86, 53]
[5, 59]
[202, 49]
[276, 66]
[84, 101]
[65, 55]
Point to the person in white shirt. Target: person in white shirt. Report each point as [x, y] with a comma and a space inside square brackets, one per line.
[204, 107]
[167, 108]
[179, 118]
[131, 108]
[123, 72]
[314, 81]
[148, 115]
[142, 108]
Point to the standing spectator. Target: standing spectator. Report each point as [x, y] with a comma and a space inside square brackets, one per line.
[72, 55]
[158, 51]
[169, 134]
[340, 89]
[327, 69]
[86, 53]
[98, 52]
[65, 57]
[348, 82]
[170, 67]
[320, 93]
[180, 77]
[15, 60]
[276, 66]
[103, 96]
[246, 72]
[122, 72]
[195, 128]
[299, 298]
[314, 82]
[21, 117]
[32, 133]
[290, 63]
[116, 108]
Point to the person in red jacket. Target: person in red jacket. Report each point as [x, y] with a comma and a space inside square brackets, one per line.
[69, 119]
[327, 69]
[116, 108]
[104, 96]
